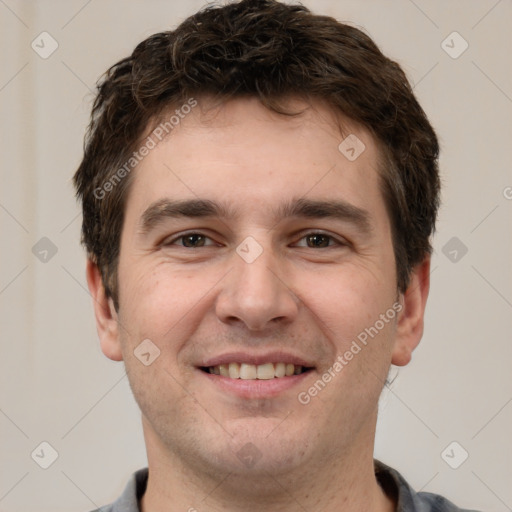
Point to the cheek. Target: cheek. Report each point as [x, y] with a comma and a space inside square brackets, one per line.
[163, 303]
[347, 300]
[348, 310]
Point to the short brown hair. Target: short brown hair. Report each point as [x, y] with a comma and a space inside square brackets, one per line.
[272, 51]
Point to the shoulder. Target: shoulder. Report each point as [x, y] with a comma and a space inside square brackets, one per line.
[426, 501]
[394, 484]
[130, 498]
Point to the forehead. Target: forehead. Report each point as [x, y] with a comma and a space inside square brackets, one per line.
[243, 153]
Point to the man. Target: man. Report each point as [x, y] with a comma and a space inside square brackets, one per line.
[259, 189]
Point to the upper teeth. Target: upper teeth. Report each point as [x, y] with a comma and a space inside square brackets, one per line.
[252, 371]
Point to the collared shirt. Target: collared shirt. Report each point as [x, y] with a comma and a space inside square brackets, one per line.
[391, 481]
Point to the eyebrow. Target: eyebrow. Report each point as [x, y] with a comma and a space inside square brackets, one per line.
[164, 209]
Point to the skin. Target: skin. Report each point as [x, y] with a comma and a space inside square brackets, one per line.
[198, 302]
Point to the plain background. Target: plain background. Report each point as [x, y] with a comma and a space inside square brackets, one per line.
[57, 387]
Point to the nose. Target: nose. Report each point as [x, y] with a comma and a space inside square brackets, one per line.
[256, 294]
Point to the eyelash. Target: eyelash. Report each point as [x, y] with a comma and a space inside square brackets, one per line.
[181, 237]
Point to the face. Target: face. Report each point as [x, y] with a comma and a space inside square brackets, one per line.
[258, 260]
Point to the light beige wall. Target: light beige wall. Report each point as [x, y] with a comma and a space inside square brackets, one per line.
[57, 387]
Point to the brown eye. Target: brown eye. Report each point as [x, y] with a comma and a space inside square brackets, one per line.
[193, 240]
[318, 240]
[189, 240]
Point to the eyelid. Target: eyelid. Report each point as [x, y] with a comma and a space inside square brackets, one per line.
[339, 241]
[172, 239]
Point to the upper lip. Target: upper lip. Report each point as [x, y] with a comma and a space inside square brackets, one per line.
[257, 359]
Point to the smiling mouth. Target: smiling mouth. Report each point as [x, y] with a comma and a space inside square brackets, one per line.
[266, 371]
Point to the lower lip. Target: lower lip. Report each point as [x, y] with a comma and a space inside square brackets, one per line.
[257, 388]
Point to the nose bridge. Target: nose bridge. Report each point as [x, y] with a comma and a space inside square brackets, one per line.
[254, 293]
[257, 279]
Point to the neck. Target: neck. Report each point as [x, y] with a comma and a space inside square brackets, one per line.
[341, 481]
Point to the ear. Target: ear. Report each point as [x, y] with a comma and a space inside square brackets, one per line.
[105, 313]
[410, 319]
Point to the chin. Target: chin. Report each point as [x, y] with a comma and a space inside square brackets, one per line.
[263, 445]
